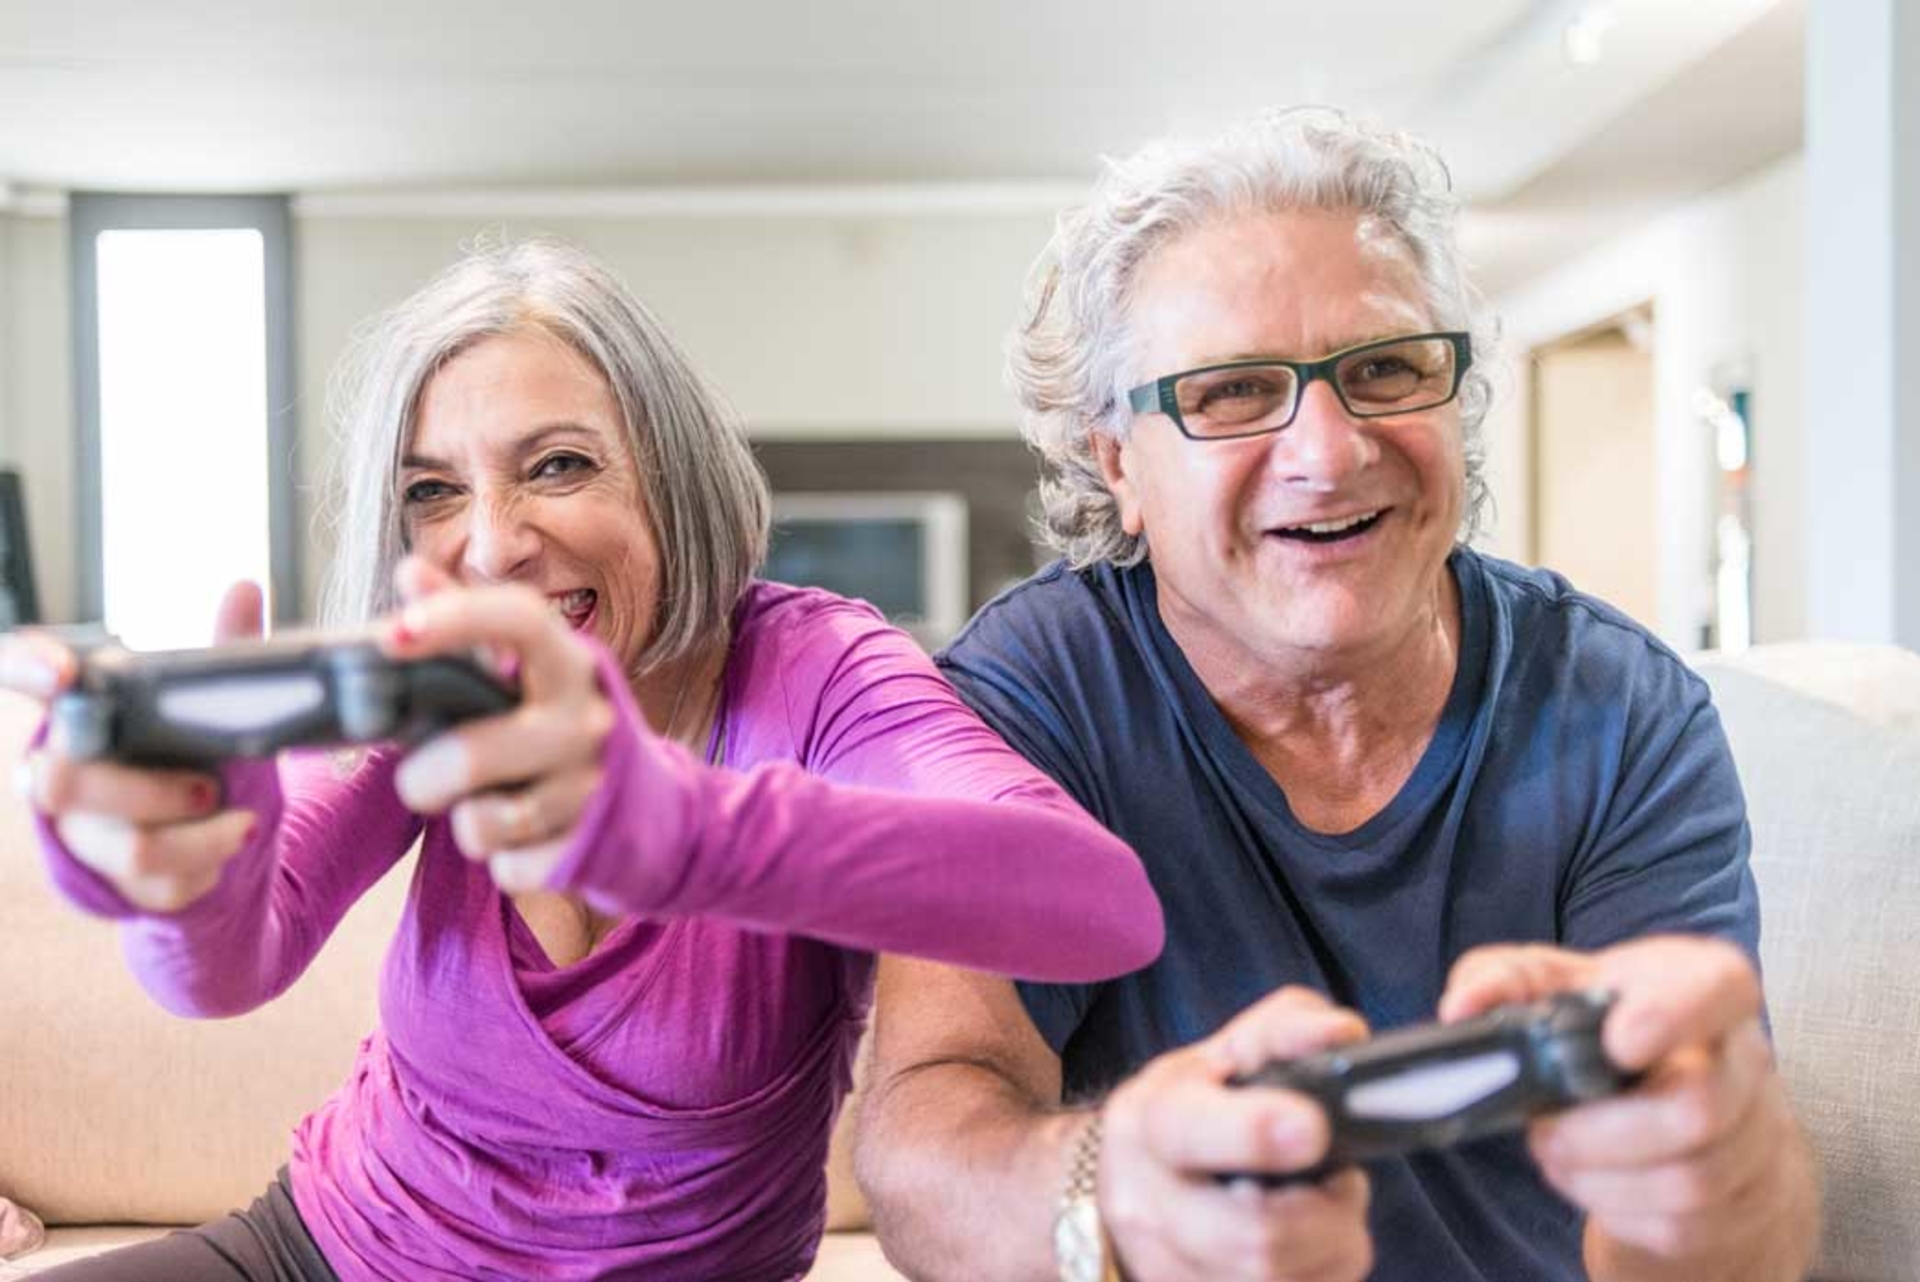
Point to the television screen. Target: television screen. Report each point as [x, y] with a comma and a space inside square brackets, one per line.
[906, 554]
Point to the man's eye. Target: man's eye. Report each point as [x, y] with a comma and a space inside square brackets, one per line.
[1385, 367]
[555, 465]
[425, 491]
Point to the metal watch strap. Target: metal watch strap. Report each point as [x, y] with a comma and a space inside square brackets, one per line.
[1081, 1249]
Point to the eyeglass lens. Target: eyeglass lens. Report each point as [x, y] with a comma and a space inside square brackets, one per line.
[1394, 378]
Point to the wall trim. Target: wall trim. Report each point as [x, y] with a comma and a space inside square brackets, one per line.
[764, 201]
[873, 200]
[32, 202]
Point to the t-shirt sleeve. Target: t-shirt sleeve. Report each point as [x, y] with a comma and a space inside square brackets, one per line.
[1670, 850]
[1022, 709]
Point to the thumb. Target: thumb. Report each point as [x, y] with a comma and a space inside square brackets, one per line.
[240, 616]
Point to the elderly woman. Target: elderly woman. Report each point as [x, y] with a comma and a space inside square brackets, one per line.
[1375, 776]
[618, 1016]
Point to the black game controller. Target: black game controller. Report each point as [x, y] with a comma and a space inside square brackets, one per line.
[193, 709]
[1441, 1084]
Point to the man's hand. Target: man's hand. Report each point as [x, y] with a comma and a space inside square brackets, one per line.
[1176, 1123]
[1700, 1172]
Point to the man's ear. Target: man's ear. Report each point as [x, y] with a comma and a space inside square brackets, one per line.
[1115, 459]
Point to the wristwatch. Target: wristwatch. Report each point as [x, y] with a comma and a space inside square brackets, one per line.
[1082, 1251]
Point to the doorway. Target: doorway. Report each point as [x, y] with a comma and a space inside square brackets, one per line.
[1595, 508]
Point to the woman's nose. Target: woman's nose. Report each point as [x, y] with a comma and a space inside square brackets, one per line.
[1324, 446]
[499, 540]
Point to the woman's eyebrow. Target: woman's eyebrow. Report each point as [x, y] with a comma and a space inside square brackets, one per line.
[547, 431]
[522, 446]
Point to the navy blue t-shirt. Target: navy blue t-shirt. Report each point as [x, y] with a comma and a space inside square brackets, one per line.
[1578, 790]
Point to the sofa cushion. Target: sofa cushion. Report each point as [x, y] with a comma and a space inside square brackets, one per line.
[1834, 801]
[64, 1246]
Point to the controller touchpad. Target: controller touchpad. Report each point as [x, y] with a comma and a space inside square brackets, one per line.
[229, 704]
[1434, 1090]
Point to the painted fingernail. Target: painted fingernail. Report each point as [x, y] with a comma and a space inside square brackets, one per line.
[432, 774]
[203, 794]
[409, 626]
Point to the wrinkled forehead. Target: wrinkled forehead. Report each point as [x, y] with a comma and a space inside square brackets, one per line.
[1293, 284]
[1387, 249]
[499, 386]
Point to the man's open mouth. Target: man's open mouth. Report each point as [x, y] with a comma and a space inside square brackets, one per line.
[1346, 527]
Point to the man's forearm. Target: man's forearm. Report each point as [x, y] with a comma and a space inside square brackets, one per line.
[1782, 1250]
[963, 1172]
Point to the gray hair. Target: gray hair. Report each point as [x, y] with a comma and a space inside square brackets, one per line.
[706, 497]
[1069, 361]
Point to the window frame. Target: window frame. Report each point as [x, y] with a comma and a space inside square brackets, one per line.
[89, 214]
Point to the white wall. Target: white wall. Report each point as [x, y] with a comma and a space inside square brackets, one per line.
[1725, 277]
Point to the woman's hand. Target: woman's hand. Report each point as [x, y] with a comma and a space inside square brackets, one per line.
[516, 784]
[158, 837]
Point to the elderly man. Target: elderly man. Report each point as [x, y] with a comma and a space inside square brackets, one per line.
[1376, 777]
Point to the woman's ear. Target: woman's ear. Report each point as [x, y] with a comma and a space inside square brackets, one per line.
[1115, 459]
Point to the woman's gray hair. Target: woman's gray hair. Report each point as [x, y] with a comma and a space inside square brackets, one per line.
[706, 497]
[1071, 360]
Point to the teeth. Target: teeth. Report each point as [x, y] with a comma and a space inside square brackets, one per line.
[574, 602]
[1334, 527]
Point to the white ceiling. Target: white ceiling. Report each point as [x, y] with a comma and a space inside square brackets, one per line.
[345, 95]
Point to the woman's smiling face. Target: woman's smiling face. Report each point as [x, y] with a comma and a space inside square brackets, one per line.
[518, 470]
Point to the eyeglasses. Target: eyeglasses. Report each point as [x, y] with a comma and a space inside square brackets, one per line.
[1251, 398]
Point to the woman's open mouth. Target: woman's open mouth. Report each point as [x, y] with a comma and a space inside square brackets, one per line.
[576, 607]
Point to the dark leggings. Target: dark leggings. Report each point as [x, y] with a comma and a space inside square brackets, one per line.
[267, 1242]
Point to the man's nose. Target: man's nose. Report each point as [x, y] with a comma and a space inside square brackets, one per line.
[1324, 446]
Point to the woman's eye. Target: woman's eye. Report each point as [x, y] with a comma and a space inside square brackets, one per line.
[555, 465]
[426, 491]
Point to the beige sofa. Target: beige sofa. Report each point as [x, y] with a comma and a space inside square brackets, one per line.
[115, 1116]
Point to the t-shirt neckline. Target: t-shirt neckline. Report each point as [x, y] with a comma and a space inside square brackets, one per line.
[1437, 762]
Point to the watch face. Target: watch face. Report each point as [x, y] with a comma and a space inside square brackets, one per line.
[1077, 1245]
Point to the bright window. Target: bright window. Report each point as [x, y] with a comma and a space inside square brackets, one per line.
[183, 428]
[186, 464]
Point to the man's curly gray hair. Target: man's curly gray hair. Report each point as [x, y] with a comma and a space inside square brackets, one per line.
[1070, 361]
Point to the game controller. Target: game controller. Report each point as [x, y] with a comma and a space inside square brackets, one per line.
[1437, 1085]
[193, 709]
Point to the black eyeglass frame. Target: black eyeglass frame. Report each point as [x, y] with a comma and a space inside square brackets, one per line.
[1158, 394]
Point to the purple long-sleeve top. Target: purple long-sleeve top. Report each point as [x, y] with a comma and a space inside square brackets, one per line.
[661, 1108]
